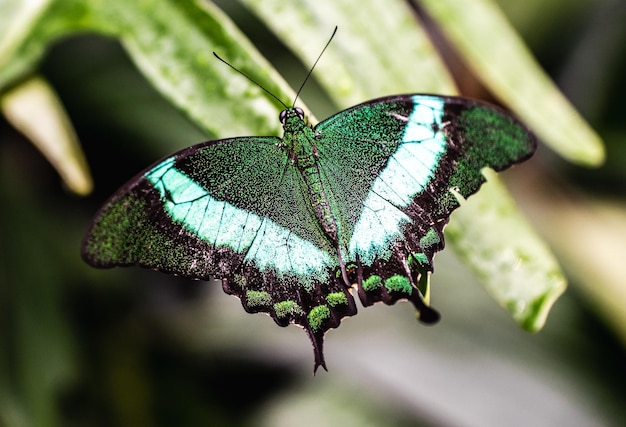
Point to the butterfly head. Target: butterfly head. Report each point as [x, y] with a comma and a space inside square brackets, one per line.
[292, 119]
[288, 113]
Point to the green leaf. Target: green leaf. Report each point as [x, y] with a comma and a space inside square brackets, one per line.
[172, 43]
[362, 62]
[516, 267]
[504, 65]
[34, 109]
[18, 19]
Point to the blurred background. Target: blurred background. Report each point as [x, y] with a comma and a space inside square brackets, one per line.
[128, 347]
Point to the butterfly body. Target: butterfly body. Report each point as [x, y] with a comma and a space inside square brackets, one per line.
[291, 225]
[304, 155]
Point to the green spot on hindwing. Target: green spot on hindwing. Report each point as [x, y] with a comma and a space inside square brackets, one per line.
[419, 257]
[239, 280]
[336, 298]
[398, 283]
[372, 283]
[317, 316]
[349, 268]
[431, 238]
[258, 298]
[286, 308]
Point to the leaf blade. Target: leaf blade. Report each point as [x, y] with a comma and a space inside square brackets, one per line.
[34, 109]
[359, 63]
[505, 65]
[516, 267]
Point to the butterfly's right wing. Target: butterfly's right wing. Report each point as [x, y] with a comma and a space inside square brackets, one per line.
[236, 210]
[394, 167]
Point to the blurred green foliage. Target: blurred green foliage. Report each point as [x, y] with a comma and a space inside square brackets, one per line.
[132, 347]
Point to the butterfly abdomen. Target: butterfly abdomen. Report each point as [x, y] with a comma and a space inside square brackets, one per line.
[317, 195]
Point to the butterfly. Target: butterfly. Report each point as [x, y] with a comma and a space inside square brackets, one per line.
[293, 225]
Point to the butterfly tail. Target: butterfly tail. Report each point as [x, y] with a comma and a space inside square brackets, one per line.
[331, 309]
[317, 339]
[316, 306]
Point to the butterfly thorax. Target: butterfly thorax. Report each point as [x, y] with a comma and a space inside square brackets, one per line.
[299, 143]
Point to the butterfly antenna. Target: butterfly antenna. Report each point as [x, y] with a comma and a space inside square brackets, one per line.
[251, 79]
[313, 67]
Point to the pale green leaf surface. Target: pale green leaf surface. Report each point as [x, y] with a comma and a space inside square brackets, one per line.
[172, 42]
[34, 109]
[17, 19]
[526, 289]
[380, 49]
[491, 48]
[516, 267]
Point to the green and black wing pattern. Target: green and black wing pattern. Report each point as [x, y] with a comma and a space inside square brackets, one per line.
[395, 166]
[291, 224]
[235, 210]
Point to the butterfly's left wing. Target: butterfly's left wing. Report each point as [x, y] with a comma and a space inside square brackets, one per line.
[392, 167]
[237, 210]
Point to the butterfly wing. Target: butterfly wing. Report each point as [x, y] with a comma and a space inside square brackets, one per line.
[236, 210]
[393, 166]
